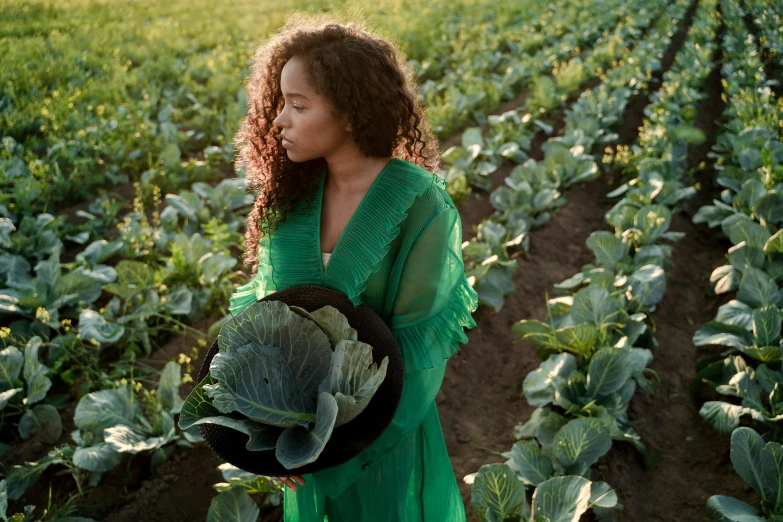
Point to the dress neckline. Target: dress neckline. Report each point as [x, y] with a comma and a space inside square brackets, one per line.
[292, 255]
[356, 213]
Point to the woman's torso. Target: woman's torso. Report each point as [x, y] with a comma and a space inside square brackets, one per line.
[368, 265]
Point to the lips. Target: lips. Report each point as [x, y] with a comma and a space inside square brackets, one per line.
[286, 143]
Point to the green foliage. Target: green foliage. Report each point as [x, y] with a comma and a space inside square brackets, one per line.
[315, 376]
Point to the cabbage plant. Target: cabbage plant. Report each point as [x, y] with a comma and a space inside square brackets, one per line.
[553, 457]
[286, 378]
[24, 382]
[758, 463]
[110, 423]
[487, 264]
[759, 392]
[233, 501]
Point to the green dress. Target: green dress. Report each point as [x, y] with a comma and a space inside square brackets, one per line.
[401, 254]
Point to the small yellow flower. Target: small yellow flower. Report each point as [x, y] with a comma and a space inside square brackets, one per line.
[42, 314]
[94, 342]
[4, 332]
[186, 378]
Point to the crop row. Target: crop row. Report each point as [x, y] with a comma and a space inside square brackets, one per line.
[510, 135]
[521, 208]
[534, 188]
[770, 25]
[596, 342]
[497, 66]
[750, 214]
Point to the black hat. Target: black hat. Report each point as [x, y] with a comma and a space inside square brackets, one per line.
[348, 440]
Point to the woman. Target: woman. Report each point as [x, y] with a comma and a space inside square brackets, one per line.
[336, 145]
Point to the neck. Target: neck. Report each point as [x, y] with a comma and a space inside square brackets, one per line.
[354, 173]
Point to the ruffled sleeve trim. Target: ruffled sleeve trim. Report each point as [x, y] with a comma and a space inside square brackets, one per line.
[367, 239]
[259, 286]
[435, 338]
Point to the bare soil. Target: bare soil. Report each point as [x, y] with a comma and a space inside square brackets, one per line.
[688, 461]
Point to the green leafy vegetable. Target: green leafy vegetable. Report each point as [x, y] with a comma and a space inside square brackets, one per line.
[286, 378]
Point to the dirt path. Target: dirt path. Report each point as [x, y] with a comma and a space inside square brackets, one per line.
[480, 400]
[694, 459]
[689, 461]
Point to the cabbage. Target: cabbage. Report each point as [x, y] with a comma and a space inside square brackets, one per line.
[286, 378]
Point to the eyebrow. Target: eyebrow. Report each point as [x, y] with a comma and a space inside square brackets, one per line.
[295, 95]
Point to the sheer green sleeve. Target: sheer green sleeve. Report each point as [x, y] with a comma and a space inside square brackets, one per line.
[434, 302]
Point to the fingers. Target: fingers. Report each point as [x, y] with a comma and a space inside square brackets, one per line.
[289, 481]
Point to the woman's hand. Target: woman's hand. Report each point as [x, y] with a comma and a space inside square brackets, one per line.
[289, 481]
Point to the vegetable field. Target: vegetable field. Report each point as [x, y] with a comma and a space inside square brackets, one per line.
[618, 167]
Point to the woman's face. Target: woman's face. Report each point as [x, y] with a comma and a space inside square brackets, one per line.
[309, 131]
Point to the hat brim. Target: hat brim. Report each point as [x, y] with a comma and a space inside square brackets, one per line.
[350, 439]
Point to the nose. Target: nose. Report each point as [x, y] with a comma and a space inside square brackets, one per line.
[280, 119]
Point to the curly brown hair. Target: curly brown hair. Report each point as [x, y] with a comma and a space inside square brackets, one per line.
[361, 75]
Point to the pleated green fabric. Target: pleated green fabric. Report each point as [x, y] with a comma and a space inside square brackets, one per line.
[401, 254]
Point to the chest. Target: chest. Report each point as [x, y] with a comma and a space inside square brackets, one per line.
[336, 212]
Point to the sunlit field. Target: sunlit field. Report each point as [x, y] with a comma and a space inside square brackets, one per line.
[618, 167]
